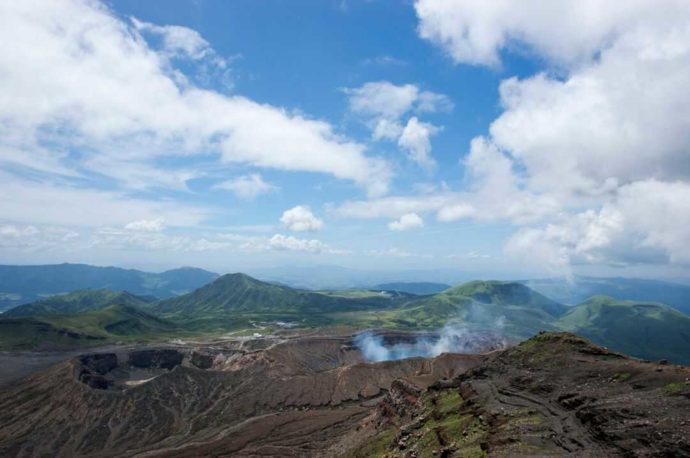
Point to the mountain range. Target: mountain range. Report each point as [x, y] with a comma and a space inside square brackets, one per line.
[239, 304]
[579, 289]
[24, 284]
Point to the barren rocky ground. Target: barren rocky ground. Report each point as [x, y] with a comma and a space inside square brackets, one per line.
[313, 395]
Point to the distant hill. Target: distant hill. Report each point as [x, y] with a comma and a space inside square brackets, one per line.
[502, 306]
[420, 288]
[24, 284]
[506, 307]
[582, 288]
[76, 302]
[506, 293]
[643, 329]
[239, 293]
[95, 327]
[240, 303]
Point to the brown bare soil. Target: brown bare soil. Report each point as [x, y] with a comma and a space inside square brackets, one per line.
[294, 398]
[314, 396]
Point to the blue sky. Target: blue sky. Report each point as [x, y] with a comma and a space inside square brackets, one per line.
[428, 134]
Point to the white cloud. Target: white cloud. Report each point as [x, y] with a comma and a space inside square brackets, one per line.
[631, 228]
[31, 238]
[129, 240]
[301, 219]
[406, 222]
[415, 139]
[394, 206]
[587, 133]
[387, 129]
[383, 99]
[146, 225]
[139, 240]
[10, 231]
[383, 106]
[61, 205]
[79, 77]
[590, 159]
[494, 193]
[17, 236]
[565, 31]
[454, 212]
[289, 243]
[247, 186]
[177, 40]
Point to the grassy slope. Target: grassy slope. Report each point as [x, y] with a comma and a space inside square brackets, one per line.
[238, 303]
[235, 300]
[95, 327]
[642, 329]
[512, 307]
[77, 302]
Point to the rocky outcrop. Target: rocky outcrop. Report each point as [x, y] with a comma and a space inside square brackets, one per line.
[553, 395]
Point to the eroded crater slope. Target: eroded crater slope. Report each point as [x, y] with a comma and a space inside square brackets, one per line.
[314, 396]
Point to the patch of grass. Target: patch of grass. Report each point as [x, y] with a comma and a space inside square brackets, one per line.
[376, 447]
[527, 420]
[450, 425]
[676, 388]
[622, 376]
[449, 402]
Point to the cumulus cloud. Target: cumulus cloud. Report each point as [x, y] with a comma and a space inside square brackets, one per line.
[290, 243]
[384, 106]
[590, 160]
[632, 228]
[415, 139]
[247, 186]
[301, 219]
[79, 77]
[565, 31]
[406, 222]
[585, 134]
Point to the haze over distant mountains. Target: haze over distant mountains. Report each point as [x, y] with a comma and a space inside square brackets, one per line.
[238, 303]
[24, 284]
